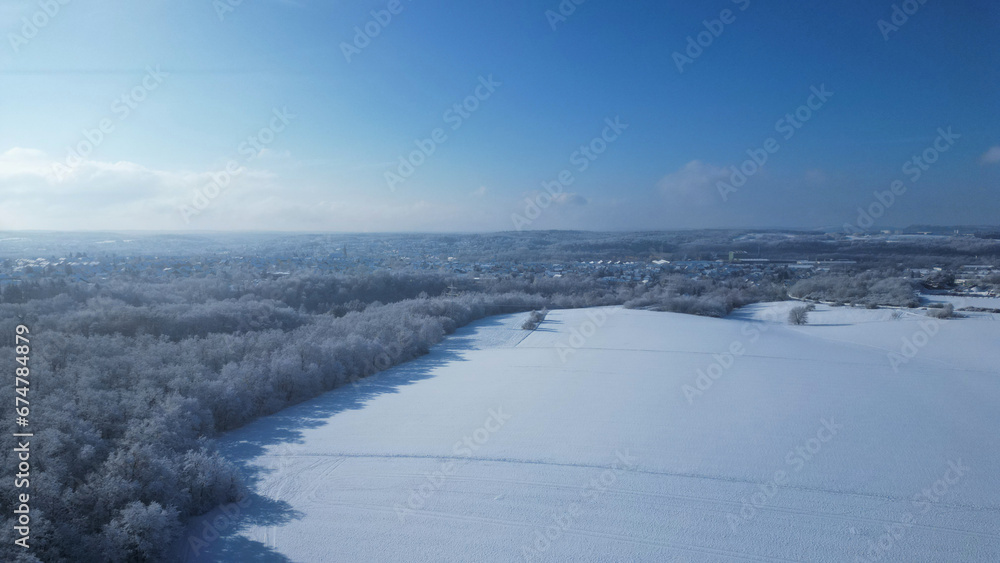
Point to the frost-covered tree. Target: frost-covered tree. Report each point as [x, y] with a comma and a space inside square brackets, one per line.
[946, 311]
[140, 532]
[798, 315]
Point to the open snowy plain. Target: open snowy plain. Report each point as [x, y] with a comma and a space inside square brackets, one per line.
[617, 435]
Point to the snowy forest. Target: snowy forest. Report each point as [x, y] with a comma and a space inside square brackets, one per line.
[136, 378]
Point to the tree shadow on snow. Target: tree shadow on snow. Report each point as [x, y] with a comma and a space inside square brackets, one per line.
[215, 536]
[244, 550]
[288, 427]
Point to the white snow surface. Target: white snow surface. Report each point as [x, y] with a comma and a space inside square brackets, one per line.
[810, 443]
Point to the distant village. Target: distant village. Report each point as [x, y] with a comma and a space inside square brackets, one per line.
[967, 280]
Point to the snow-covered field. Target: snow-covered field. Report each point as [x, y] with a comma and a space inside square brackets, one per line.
[615, 435]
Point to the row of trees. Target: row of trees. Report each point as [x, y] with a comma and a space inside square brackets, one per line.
[869, 288]
[706, 297]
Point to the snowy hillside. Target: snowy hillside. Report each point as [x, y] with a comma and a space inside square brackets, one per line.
[617, 435]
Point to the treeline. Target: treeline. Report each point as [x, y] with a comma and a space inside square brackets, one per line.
[871, 289]
[312, 292]
[706, 297]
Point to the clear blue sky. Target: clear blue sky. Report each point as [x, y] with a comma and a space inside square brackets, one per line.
[222, 78]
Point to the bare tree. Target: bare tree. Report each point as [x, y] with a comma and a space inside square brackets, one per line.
[798, 315]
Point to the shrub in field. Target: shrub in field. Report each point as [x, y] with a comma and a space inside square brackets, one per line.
[534, 319]
[946, 311]
[798, 315]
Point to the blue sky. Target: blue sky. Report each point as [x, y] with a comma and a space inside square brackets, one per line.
[225, 74]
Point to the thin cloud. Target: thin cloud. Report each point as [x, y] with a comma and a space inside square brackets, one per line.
[992, 156]
[39, 191]
[695, 182]
[569, 199]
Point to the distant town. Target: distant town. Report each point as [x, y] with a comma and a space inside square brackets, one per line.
[754, 256]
